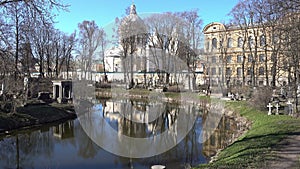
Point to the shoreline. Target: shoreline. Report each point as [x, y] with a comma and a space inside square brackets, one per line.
[202, 101]
[256, 144]
[261, 145]
[244, 124]
[65, 112]
[34, 116]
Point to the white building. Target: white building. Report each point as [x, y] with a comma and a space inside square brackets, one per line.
[146, 57]
[113, 59]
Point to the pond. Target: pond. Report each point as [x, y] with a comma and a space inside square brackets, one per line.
[67, 145]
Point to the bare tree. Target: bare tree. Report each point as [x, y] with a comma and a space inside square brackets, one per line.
[246, 15]
[41, 6]
[20, 40]
[291, 26]
[14, 13]
[165, 32]
[41, 40]
[241, 19]
[192, 27]
[90, 39]
[130, 30]
[103, 46]
[63, 46]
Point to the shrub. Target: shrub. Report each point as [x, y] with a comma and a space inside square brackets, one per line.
[103, 85]
[261, 97]
[174, 88]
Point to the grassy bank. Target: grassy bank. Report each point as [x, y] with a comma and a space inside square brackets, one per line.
[254, 149]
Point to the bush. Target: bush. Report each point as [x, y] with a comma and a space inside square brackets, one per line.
[261, 97]
[174, 88]
[103, 85]
[244, 91]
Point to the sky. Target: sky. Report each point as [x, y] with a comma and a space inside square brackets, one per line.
[104, 12]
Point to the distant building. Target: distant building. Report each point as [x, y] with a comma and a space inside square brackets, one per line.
[112, 59]
[233, 51]
[147, 57]
[145, 60]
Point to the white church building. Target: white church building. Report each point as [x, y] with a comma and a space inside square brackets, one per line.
[138, 54]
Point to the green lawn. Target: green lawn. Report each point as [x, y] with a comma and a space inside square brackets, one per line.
[253, 149]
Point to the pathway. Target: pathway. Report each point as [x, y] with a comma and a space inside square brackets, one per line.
[287, 154]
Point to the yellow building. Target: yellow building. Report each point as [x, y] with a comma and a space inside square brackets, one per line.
[236, 54]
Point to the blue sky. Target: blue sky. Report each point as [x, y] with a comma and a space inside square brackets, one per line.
[105, 11]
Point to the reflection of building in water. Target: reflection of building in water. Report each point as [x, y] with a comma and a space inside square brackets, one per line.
[139, 119]
[122, 111]
[135, 111]
[220, 137]
[64, 131]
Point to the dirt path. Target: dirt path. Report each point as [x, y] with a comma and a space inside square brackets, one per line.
[287, 154]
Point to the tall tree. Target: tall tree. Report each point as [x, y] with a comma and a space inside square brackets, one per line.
[167, 30]
[103, 46]
[131, 29]
[22, 23]
[193, 40]
[90, 38]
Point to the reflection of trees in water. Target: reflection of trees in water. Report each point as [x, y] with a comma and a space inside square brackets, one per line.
[130, 109]
[20, 151]
[221, 136]
[188, 151]
[86, 147]
[24, 150]
[8, 152]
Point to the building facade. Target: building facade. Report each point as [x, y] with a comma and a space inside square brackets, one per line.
[237, 55]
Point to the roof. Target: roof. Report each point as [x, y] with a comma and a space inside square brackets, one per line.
[132, 24]
[113, 52]
[214, 27]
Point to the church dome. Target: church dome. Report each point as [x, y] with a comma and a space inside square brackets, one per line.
[132, 24]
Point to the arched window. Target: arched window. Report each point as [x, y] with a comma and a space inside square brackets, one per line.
[229, 43]
[275, 39]
[250, 41]
[228, 71]
[262, 40]
[207, 46]
[214, 43]
[261, 58]
[213, 71]
[249, 71]
[240, 42]
[239, 72]
[229, 59]
[213, 59]
[261, 71]
[239, 59]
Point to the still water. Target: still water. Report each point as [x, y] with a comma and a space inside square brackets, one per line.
[66, 145]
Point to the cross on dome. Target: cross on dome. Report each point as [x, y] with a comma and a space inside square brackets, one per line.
[132, 9]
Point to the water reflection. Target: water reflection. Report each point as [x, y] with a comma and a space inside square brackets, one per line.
[221, 137]
[139, 119]
[68, 146]
[111, 127]
[64, 131]
[21, 150]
